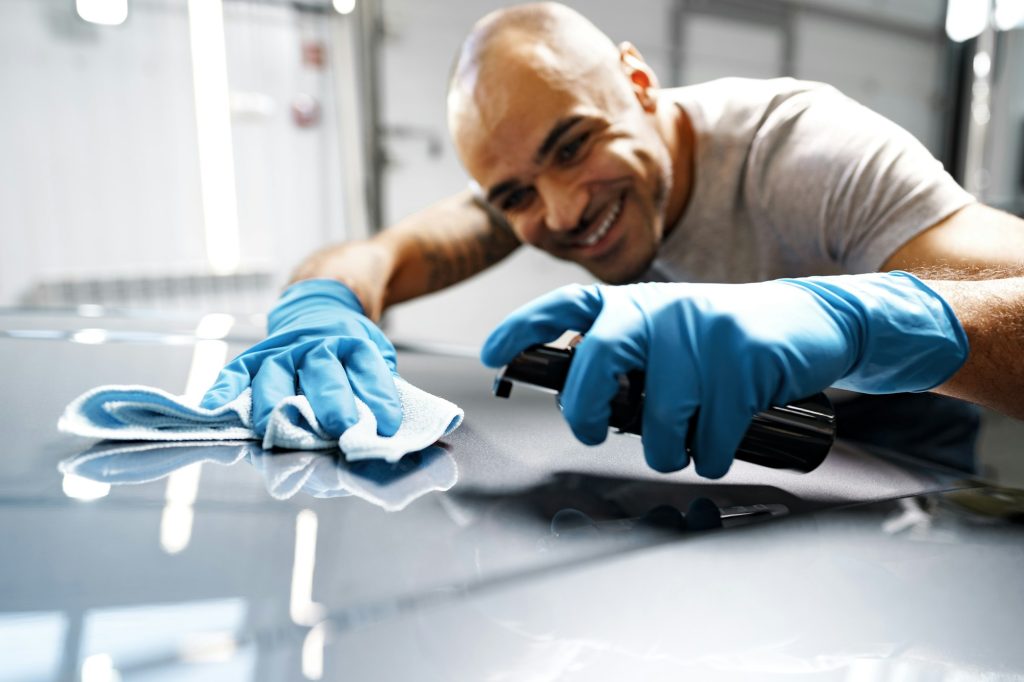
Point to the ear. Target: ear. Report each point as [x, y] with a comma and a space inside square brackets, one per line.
[641, 76]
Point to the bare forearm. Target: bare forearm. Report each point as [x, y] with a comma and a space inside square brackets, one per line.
[431, 249]
[451, 241]
[992, 314]
[365, 267]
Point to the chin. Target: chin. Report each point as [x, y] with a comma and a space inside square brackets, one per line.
[624, 271]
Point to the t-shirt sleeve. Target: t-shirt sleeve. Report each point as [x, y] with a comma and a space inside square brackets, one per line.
[829, 178]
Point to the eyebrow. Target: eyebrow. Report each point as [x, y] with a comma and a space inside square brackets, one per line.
[557, 131]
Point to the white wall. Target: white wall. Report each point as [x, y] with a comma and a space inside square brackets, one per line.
[99, 155]
[100, 175]
[896, 76]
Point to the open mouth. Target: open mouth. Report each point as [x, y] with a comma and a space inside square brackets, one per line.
[601, 229]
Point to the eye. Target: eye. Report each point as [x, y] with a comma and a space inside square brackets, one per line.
[517, 199]
[568, 151]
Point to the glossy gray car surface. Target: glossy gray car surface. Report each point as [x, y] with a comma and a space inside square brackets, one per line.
[507, 552]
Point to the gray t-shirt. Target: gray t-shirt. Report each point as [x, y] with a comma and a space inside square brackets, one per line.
[792, 178]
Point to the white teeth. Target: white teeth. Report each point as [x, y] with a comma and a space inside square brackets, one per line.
[606, 225]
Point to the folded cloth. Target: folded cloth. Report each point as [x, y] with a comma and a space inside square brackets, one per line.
[145, 413]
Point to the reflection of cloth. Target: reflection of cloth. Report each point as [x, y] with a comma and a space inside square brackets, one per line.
[391, 486]
[924, 425]
[143, 413]
[116, 463]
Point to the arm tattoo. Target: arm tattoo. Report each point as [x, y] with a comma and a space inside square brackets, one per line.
[449, 260]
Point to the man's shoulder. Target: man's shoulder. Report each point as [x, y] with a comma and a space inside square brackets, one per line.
[736, 89]
[725, 100]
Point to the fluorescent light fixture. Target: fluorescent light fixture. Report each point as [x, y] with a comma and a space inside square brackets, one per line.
[344, 6]
[103, 12]
[84, 489]
[1009, 14]
[966, 19]
[213, 129]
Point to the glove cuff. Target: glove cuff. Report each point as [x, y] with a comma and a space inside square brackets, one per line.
[911, 339]
[312, 295]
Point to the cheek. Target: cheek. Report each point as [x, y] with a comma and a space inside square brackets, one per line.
[528, 230]
[632, 159]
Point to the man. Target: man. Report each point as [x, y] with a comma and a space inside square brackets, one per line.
[575, 150]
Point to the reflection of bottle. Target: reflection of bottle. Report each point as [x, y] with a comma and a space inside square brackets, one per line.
[702, 514]
[796, 436]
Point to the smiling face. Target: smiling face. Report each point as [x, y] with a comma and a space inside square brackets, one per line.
[568, 144]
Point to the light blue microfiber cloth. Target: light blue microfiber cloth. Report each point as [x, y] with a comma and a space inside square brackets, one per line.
[145, 413]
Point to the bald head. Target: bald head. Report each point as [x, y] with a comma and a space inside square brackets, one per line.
[542, 26]
[507, 47]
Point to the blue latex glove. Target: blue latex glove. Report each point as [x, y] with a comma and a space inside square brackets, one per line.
[733, 350]
[319, 341]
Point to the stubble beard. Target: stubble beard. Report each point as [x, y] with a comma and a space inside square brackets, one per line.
[654, 230]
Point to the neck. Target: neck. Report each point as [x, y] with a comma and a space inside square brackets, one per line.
[677, 132]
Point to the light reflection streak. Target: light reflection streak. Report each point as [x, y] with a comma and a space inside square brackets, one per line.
[303, 610]
[99, 668]
[80, 488]
[215, 326]
[208, 356]
[90, 336]
[207, 359]
[178, 515]
[313, 652]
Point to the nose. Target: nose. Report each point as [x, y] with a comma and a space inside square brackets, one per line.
[564, 203]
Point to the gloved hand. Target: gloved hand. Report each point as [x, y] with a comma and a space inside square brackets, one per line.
[319, 341]
[724, 352]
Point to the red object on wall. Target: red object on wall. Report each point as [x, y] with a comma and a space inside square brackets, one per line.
[314, 54]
